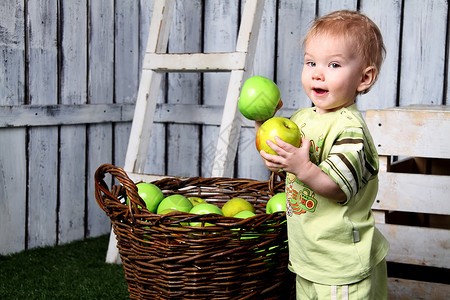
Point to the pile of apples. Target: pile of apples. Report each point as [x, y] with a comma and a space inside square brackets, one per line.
[156, 202]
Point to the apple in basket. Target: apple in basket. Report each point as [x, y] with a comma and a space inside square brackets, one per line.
[244, 214]
[259, 98]
[284, 128]
[204, 209]
[196, 200]
[276, 203]
[177, 202]
[236, 205]
[151, 194]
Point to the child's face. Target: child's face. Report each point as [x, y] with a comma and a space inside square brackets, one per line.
[332, 74]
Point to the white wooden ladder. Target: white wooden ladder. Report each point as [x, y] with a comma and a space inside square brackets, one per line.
[157, 61]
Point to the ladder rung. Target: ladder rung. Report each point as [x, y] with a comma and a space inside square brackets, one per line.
[188, 62]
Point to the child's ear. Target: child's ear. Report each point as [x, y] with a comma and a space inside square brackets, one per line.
[368, 78]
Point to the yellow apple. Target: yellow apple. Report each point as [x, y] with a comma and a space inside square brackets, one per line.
[284, 128]
[236, 205]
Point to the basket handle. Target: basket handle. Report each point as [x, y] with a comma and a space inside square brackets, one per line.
[130, 188]
[273, 181]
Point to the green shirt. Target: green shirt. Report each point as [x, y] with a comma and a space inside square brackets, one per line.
[335, 243]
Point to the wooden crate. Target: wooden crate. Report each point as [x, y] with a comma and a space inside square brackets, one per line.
[412, 208]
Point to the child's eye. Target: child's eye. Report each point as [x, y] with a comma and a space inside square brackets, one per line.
[334, 65]
[310, 63]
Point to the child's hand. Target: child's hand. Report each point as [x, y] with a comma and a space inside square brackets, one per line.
[290, 158]
[296, 161]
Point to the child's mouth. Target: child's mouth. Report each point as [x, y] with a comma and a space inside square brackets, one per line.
[320, 92]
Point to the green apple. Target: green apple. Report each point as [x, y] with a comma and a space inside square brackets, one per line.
[203, 209]
[259, 98]
[167, 211]
[276, 203]
[284, 128]
[151, 194]
[196, 200]
[236, 205]
[175, 201]
[244, 214]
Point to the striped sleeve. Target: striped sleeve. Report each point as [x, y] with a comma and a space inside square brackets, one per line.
[350, 162]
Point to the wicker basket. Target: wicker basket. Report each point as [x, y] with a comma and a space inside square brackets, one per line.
[165, 258]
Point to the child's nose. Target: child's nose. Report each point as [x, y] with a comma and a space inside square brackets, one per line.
[317, 75]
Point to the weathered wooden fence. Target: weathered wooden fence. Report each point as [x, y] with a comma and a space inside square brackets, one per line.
[69, 72]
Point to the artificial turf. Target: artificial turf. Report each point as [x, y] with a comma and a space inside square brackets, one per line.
[72, 271]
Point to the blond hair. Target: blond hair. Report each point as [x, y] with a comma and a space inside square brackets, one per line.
[357, 28]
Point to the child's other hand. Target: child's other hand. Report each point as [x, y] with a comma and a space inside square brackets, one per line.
[290, 158]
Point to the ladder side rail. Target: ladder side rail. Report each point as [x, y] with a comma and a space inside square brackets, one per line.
[230, 127]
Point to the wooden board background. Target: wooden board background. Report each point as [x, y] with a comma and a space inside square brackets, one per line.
[69, 73]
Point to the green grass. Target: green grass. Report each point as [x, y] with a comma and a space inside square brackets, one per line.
[73, 271]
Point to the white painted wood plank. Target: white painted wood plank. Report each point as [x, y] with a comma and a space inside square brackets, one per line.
[183, 140]
[294, 20]
[147, 96]
[126, 69]
[13, 140]
[155, 162]
[407, 245]
[227, 142]
[404, 289]
[12, 190]
[413, 193]
[423, 52]
[101, 78]
[220, 34]
[419, 131]
[191, 62]
[379, 215]
[43, 141]
[384, 92]
[149, 86]
[73, 90]
[325, 7]
[249, 162]
[230, 126]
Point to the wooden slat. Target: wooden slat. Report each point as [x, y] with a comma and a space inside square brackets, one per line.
[184, 89]
[296, 17]
[419, 130]
[72, 148]
[264, 65]
[53, 114]
[404, 289]
[384, 92]
[194, 62]
[230, 127]
[13, 168]
[43, 142]
[417, 245]
[149, 87]
[101, 78]
[413, 193]
[126, 69]
[221, 28]
[423, 53]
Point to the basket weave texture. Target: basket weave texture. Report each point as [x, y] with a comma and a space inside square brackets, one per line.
[165, 258]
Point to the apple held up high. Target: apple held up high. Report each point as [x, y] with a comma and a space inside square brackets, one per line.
[259, 98]
[284, 128]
